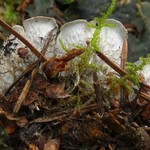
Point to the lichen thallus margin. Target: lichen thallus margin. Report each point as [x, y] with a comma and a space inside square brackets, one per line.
[60, 63]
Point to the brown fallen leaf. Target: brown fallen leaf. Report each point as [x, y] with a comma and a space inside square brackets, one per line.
[146, 112]
[114, 103]
[56, 91]
[32, 96]
[55, 65]
[33, 147]
[52, 144]
[22, 122]
[9, 126]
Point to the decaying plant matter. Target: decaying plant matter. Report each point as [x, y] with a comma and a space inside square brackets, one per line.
[72, 89]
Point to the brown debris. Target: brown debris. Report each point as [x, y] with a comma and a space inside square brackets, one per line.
[56, 91]
[52, 144]
[40, 114]
[24, 5]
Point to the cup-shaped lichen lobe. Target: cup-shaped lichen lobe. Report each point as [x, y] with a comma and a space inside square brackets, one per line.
[78, 33]
[35, 30]
[146, 73]
[112, 38]
[73, 34]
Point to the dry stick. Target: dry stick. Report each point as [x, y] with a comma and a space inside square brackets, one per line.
[63, 114]
[33, 74]
[24, 91]
[98, 93]
[119, 70]
[22, 39]
[124, 54]
[111, 64]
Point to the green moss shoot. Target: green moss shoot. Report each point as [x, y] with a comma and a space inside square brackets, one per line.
[133, 69]
[98, 24]
[132, 76]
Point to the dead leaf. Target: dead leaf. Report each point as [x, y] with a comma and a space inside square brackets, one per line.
[33, 147]
[56, 91]
[32, 96]
[22, 122]
[146, 112]
[9, 126]
[114, 103]
[52, 144]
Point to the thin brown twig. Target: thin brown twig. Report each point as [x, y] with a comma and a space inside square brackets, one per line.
[24, 91]
[98, 93]
[124, 55]
[64, 114]
[111, 64]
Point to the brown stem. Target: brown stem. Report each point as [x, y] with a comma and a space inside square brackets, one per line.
[98, 93]
[124, 55]
[111, 64]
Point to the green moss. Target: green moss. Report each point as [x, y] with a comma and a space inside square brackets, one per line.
[10, 14]
[133, 69]
[132, 76]
[98, 24]
[63, 46]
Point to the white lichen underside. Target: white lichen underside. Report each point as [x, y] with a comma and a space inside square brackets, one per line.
[35, 30]
[146, 73]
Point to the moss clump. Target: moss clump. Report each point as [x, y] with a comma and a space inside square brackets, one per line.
[133, 69]
[10, 15]
[132, 77]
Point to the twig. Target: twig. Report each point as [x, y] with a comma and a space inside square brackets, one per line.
[64, 114]
[22, 39]
[124, 55]
[111, 64]
[98, 93]
[24, 91]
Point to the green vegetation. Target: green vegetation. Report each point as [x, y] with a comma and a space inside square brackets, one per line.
[10, 15]
[132, 76]
[98, 24]
[133, 69]
[65, 2]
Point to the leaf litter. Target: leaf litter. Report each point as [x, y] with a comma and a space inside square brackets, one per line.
[50, 117]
